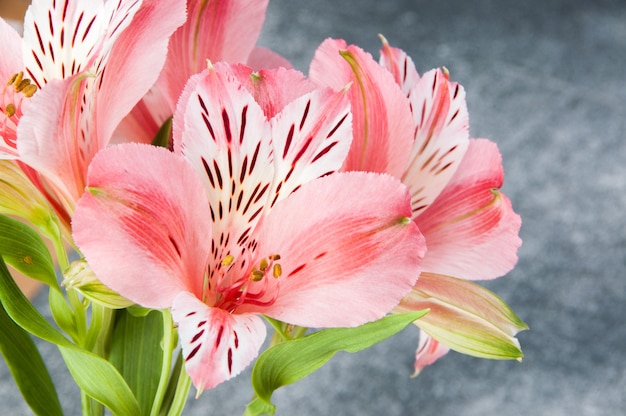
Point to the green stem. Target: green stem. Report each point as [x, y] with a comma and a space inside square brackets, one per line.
[166, 363]
[182, 390]
[99, 333]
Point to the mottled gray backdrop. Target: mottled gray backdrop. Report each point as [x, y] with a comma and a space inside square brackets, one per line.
[545, 80]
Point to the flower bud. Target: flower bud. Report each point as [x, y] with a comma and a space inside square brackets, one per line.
[20, 198]
[80, 277]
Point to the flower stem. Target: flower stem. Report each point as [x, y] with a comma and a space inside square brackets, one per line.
[177, 397]
[166, 364]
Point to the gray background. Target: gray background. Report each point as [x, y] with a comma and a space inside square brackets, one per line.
[545, 80]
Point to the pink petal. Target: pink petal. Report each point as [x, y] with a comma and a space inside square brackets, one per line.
[216, 31]
[401, 67]
[264, 58]
[223, 133]
[10, 48]
[144, 121]
[347, 253]
[273, 89]
[311, 138]
[441, 137]
[143, 226]
[133, 64]
[64, 160]
[471, 229]
[381, 117]
[217, 345]
[428, 351]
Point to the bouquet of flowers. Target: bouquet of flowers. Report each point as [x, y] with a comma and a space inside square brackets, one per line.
[196, 191]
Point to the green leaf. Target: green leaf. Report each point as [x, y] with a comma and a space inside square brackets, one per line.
[293, 360]
[23, 248]
[137, 354]
[259, 407]
[97, 377]
[29, 371]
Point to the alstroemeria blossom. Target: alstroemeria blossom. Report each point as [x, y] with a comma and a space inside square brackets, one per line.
[470, 228]
[246, 217]
[84, 66]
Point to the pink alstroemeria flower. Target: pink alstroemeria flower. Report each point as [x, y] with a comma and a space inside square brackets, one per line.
[470, 228]
[246, 217]
[85, 64]
[215, 30]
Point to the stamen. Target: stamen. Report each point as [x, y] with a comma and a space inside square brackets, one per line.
[278, 270]
[9, 110]
[15, 79]
[263, 265]
[256, 275]
[29, 90]
[228, 260]
[22, 84]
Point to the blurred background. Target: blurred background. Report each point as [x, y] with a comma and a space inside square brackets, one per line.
[545, 81]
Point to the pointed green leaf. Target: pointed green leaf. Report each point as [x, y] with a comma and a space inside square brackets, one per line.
[97, 377]
[29, 371]
[293, 360]
[137, 353]
[23, 248]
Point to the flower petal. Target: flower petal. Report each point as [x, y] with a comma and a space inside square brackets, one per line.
[132, 66]
[401, 67]
[441, 137]
[272, 89]
[428, 351]
[214, 30]
[216, 345]
[471, 229]
[63, 38]
[311, 138]
[223, 133]
[347, 253]
[264, 58]
[61, 161]
[382, 124]
[143, 226]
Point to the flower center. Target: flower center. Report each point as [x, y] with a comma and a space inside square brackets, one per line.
[257, 287]
[14, 94]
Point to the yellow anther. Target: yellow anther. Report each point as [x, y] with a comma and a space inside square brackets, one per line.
[9, 110]
[29, 90]
[22, 84]
[263, 265]
[277, 271]
[275, 257]
[228, 260]
[16, 79]
[256, 275]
